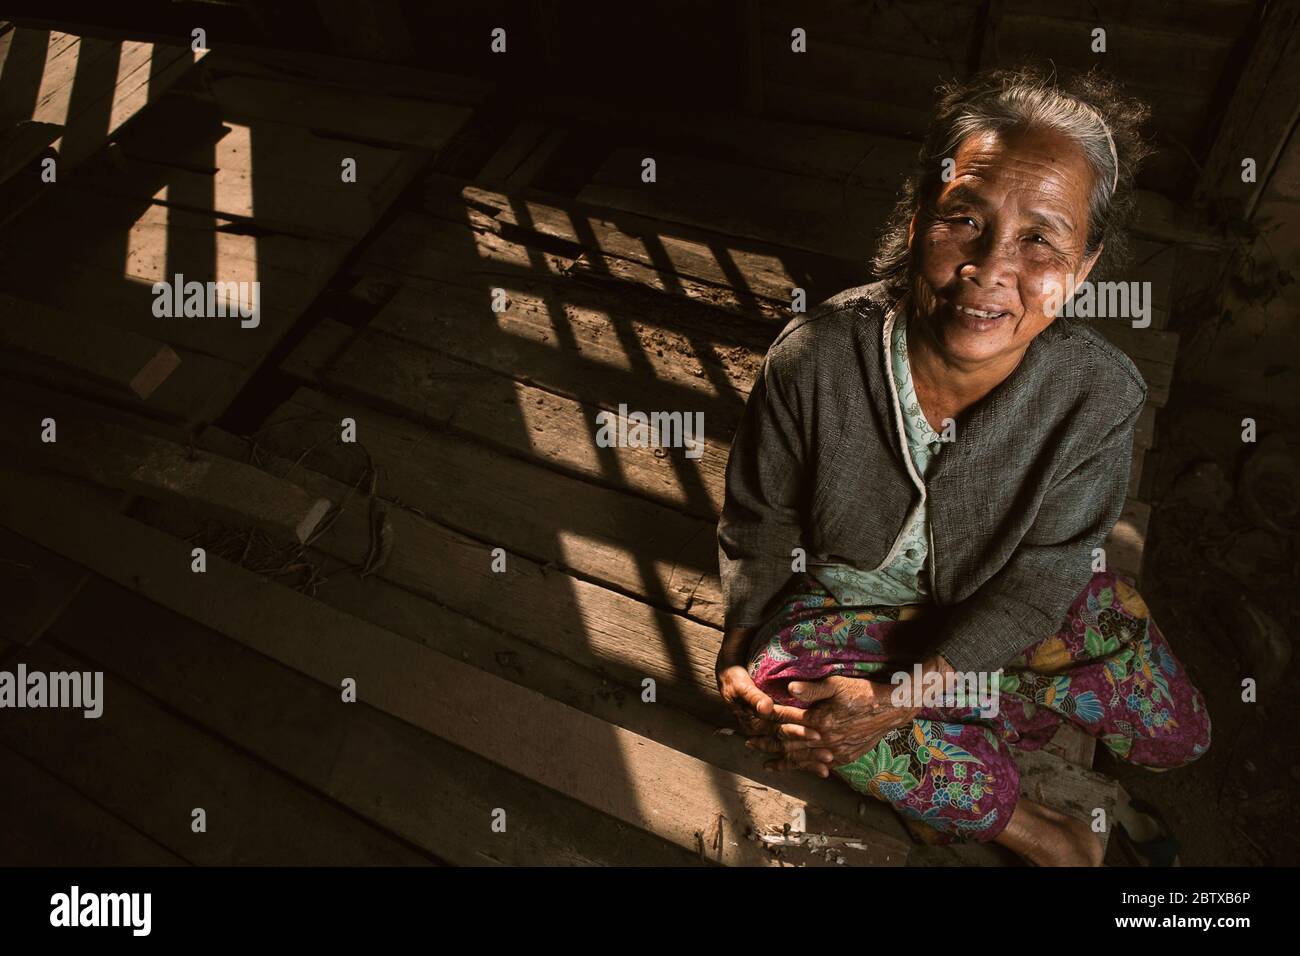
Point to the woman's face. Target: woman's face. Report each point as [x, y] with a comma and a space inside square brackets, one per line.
[1006, 232]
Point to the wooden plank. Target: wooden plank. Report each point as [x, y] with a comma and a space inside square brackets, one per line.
[36, 586]
[788, 101]
[67, 56]
[145, 464]
[48, 823]
[1263, 110]
[1067, 787]
[318, 350]
[589, 344]
[904, 78]
[128, 363]
[1144, 436]
[595, 690]
[939, 29]
[526, 173]
[23, 59]
[152, 770]
[798, 211]
[281, 177]
[22, 144]
[1071, 744]
[112, 82]
[749, 15]
[865, 160]
[385, 79]
[1160, 218]
[57, 404]
[377, 31]
[519, 419]
[529, 510]
[741, 276]
[1154, 262]
[522, 141]
[1125, 544]
[198, 392]
[630, 777]
[384, 770]
[588, 623]
[163, 66]
[121, 248]
[1220, 18]
[682, 343]
[347, 114]
[1139, 54]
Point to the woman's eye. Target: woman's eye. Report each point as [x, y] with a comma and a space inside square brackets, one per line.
[1037, 239]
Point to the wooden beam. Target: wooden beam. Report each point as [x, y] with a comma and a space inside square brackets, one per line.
[152, 769]
[24, 143]
[438, 797]
[48, 823]
[36, 586]
[148, 465]
[119, 360]
[527, 509]
[1263, 111]
[630, 777]
[348, 114]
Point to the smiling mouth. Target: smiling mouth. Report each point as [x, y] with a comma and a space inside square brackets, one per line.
[978, 313]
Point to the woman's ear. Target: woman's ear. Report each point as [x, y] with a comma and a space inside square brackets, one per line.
[1088, 263]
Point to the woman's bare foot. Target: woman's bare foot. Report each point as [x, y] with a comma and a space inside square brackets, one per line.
[1045, 837]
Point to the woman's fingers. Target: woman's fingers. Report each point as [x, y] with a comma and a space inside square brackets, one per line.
[820, 765]
[790, 715]
[783, 738]
[739, 688]
[750, 723]
[791, 747]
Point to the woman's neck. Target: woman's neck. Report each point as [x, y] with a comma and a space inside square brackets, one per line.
[946, 387]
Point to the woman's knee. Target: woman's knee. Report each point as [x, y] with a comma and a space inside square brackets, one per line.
[1191, 738]
[951, 782]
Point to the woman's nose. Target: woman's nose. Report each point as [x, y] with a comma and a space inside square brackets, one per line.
[991, 263]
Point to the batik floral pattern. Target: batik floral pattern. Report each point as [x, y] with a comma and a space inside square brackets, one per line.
[951, 771]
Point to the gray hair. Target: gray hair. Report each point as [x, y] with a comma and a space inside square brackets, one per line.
[1090, 109]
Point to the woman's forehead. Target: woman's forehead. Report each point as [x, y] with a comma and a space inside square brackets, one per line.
[1023, 147]
[1045, 161]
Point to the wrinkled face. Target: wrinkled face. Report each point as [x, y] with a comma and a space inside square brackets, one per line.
[1005, 235]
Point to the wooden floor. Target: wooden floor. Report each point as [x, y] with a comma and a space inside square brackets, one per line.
[397, 488]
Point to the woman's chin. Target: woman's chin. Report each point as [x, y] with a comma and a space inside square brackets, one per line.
[970, 339]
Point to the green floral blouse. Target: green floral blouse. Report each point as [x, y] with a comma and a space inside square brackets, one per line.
[904, 577]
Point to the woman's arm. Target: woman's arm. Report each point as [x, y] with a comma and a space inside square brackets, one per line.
[761, 519]
[1029, 597]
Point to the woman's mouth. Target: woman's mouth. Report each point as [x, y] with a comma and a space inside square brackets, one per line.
[978, 320]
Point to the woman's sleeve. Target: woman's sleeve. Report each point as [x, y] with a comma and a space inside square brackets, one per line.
[1028, 599]
[761, 523]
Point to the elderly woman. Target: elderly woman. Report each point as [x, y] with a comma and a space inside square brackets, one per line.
[923, 479]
